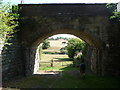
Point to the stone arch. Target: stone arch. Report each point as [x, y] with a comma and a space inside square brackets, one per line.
[39, 21]
[91, 21]
[33, 57]
[83, 35]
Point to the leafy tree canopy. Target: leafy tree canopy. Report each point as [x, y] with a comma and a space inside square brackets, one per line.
[74, 46]
[46, 44]
[8, 21]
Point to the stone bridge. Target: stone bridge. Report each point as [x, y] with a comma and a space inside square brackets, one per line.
[90, 22]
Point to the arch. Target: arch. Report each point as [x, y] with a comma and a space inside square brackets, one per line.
[33, 59]
[92, 28]
[90, 22]
[91, 40]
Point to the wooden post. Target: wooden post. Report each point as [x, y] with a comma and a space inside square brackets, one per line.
[52, 63]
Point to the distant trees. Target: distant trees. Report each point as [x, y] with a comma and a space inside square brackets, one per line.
[46, 44]
[58, 38]
[74, 46]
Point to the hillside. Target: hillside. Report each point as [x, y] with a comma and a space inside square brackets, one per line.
[56, 45]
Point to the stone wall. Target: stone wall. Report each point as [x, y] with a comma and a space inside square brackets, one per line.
[94, 27]
[99, 32]
[37, 61]
[112, 51]
[32, 60]
[12, 60]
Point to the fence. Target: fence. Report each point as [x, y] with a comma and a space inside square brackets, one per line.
[56, 63]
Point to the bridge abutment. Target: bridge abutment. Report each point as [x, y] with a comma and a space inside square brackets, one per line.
[40, 22]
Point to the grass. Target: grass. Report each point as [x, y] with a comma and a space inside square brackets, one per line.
[48, 57]
[50, 68]
[60, 61]
[68, 79]
[32, 82]
[65, 68]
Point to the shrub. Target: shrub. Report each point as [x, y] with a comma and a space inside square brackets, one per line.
[74, 46]
[46, 44]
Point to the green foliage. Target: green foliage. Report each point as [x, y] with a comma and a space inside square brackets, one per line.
[45, 52]
[116, 15]
[113, 7]
[63, 50]
[67, 79]
[15, 13]
[46, 44]
[8, 22]
[74, 46]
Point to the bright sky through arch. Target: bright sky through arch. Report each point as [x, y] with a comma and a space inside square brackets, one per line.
[63, 35]
[61, 1]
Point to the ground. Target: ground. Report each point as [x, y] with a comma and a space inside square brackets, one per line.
[66, 79]
[61, 75]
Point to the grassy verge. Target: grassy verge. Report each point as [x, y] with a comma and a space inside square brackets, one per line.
[70, 81]
[60, 62]
[67, 80]
[65, 68]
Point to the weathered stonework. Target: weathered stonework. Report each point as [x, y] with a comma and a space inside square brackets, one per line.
[12, 60]
[89, 22]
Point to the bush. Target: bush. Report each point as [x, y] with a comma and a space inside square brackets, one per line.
[63, 50]
[48, 53]
[46, 44]
[74, 46]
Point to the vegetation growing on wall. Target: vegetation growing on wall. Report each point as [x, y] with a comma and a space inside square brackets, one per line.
[8, 21]
[113, 7]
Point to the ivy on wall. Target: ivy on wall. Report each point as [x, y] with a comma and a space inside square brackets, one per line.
[113, 7]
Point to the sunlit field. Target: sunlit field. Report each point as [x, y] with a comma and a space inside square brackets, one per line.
[48, 57]
[55, 45]
[59, 61]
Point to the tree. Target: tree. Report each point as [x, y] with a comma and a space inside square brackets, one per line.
[75, 45]
[8, 21]
[46, 44]
[113, 7]
[63, 50]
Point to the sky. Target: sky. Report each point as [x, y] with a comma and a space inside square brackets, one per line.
[64, 35]
[60, 1]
